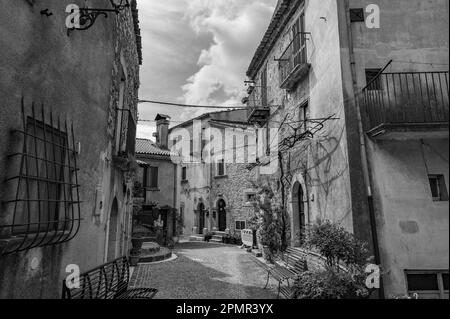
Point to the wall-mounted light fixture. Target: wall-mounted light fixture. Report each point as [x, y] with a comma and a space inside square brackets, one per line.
[84, 18]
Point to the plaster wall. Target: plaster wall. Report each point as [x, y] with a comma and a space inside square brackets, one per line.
[76, 77]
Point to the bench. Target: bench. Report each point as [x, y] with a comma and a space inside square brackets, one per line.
[108, 281]
[287, 269]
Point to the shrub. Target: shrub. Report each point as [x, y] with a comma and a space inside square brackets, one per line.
[339, 248]
[329, 284]
[336, 245]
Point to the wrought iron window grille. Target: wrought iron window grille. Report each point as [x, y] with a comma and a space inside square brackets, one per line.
[88, 16]
[46, 209]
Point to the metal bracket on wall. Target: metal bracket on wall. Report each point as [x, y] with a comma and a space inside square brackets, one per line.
[86, 17]
[46, 12]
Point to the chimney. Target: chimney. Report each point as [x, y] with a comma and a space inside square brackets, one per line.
[162, 130]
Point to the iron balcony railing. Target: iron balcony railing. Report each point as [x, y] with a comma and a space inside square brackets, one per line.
[292, 60]
[257, 104]
[406, 97]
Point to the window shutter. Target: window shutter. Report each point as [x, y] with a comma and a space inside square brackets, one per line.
[154, 177]
[145, 177]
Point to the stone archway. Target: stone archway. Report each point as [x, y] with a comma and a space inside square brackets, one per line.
[112, 231]
[298, 215]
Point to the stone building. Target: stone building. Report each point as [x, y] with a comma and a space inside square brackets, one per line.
[362, 110]
[158, 180]
[217, 194]
[67, 136]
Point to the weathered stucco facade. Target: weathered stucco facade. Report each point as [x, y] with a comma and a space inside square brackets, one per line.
[88, 78]
[340, 170]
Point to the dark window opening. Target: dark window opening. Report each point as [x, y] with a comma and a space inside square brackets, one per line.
[422, 282]
[357, 15]
[240, 225]
[264, 87]
[184, 173]
[221, 168]
[428, 284]
[373, 81]
[250, 197]
[151, 177]
[303, 117]
[438, 188]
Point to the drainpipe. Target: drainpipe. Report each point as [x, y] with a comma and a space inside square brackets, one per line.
[363, 147]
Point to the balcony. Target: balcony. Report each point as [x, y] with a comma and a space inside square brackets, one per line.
[293, 63]
[407, 105]
[258, 110]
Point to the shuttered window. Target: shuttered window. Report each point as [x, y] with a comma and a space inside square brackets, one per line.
[151, 177]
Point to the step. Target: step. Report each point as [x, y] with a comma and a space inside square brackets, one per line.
[257, 253]
[197, 238]
[150, 248]
[219, 241]
[220, 233]
[217, 237]
[161, 255]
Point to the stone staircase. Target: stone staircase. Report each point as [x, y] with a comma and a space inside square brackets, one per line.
[218, 237]
[197, 238]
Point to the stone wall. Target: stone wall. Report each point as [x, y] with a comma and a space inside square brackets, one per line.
[77, 77]
[232, 189]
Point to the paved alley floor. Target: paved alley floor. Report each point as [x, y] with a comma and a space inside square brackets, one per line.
[206, 271]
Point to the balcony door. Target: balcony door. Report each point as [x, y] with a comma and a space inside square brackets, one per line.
[299, 42]
[222, 215]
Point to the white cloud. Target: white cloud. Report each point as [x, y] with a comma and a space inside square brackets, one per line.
[237, 27]
[197, 52]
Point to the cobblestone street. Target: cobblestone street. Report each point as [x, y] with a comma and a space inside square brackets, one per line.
[206, 271]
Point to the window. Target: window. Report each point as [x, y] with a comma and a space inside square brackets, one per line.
[303, 117]
[357, 15]
[151, 177]
[221, 168]
[299, 41]
[184, 174]
[264, 87]
[438, 188]
[371, 75]
[240, 225]
[428, 284]
[46, 205]
[250, 197]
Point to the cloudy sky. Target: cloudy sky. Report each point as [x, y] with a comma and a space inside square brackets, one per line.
[197, 52]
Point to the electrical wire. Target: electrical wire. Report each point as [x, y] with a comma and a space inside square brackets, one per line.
[192, 105]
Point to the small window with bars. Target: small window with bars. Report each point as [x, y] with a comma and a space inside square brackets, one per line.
[184, 174]
[45, 209]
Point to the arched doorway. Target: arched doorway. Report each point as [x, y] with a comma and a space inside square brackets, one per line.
[112, 233]
[222, 215]
[201, 217]
[299, 215]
